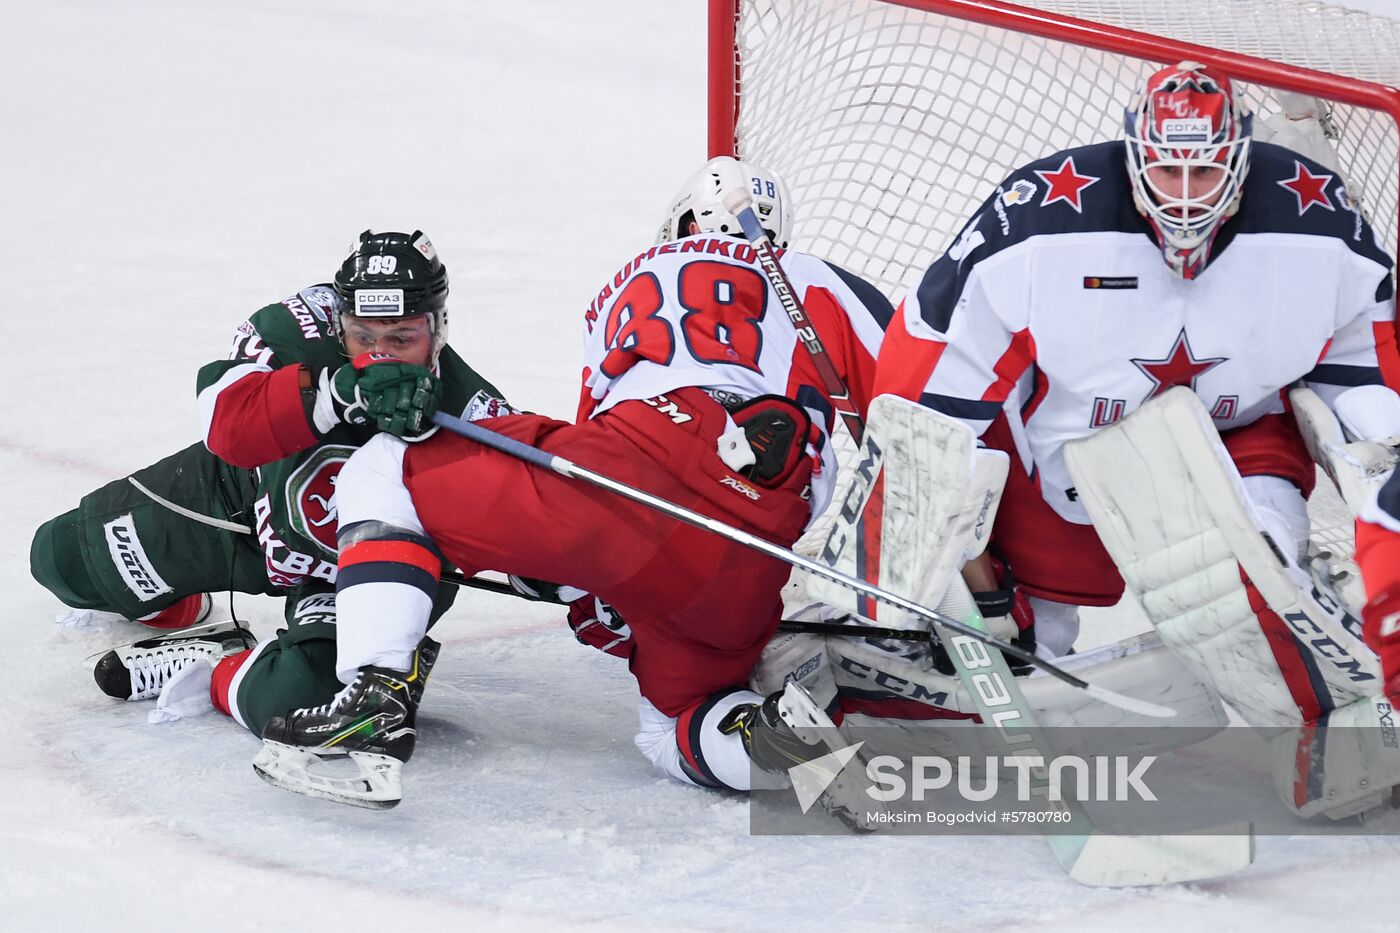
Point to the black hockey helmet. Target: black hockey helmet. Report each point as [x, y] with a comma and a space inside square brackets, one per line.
[390, 275]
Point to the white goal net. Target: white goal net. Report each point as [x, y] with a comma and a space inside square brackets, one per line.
[891, 124]
[892, 121]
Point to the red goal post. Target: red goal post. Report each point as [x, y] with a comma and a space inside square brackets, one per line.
[892, 119]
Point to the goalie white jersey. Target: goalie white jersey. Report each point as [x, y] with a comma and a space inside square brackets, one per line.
[700, 312]
[1055, 298]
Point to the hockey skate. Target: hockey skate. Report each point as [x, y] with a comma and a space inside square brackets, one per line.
[370, 724]
[139, 671]
[789, 734]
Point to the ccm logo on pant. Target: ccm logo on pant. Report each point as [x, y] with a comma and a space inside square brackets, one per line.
[668, 408]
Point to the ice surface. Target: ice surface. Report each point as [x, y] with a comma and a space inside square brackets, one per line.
[168, 168]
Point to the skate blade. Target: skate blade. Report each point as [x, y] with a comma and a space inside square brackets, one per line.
[843, 783]
[377, 785]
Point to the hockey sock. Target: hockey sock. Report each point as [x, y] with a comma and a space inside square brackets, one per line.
[181, 614]
[709, 757]
[222, 680]
[384, 596]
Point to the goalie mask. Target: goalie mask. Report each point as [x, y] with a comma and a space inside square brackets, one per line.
[393, 275]
[702, 201]
[1187, 140]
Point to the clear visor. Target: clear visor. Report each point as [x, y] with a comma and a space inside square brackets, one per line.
[412, 339]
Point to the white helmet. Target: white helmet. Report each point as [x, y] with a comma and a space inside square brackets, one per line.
[702, 200]
[1187, 118]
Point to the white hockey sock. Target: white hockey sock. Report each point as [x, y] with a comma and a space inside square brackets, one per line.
[691, 748]
[1056, 627]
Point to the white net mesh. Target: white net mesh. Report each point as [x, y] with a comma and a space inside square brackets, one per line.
[892, 124]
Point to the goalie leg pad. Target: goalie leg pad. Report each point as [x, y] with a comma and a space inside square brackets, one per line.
[1140, 666]
[1341, 766]
[910, 529]
[873, 682]
[1222, 595]
[798, 658]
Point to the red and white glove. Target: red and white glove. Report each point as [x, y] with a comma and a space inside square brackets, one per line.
[598, 625]
[1381, 628]
[1378, 556]
[1006, 611]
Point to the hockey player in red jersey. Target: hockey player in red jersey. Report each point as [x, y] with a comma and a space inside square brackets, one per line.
[1188, 268]
[695, 389]
[1378, 555]
[251, 508]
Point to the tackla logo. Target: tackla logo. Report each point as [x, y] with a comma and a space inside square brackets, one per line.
[310, 494]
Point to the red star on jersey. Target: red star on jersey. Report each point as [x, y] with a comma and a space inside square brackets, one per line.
[1310, 189]
[1065, 184]
[1180, 368]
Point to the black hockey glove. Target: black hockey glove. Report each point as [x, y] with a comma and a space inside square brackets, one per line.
[377, 388]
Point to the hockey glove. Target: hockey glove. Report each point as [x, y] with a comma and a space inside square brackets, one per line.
[1007, 613]
[1381, 628]
[376, 388]
[598, 625]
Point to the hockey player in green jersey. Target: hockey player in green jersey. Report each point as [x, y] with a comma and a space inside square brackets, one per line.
[251, 508]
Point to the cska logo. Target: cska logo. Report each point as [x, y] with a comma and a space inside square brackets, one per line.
[1065, 184]
[1178, 105]
[1308, 188]
[310, 496]
[1180, 367]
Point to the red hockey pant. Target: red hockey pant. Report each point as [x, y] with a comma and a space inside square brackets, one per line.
[701, 607]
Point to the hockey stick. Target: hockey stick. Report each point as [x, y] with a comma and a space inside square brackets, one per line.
[739, 203]
[493, 586]
[570, 470]
[1088, 857]
[454, 578]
